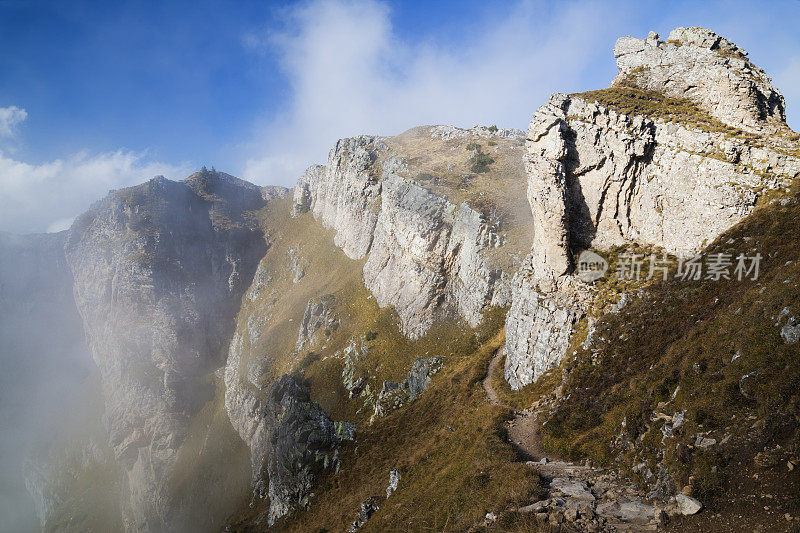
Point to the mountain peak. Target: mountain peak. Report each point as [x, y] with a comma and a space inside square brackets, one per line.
[697, 64]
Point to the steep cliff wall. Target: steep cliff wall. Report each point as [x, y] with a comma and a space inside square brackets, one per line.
[426, 216]
[159, 270]
[622, 166]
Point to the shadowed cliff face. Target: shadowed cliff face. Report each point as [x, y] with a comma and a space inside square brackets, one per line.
[44, 360]
[159, 271]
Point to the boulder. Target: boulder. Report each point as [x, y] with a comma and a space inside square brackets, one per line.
[687, 505]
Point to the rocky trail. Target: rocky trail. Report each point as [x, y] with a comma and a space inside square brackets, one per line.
[580, 497]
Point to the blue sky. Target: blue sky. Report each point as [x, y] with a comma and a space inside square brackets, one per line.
[107, 94]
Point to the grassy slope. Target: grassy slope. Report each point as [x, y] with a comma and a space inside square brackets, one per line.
[329, 271]
[450, 448]
[448, 444]
[682, 334]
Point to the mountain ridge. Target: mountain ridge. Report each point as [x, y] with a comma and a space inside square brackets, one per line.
[405, 249]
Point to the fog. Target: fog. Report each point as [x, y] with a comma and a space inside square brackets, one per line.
[46, 364]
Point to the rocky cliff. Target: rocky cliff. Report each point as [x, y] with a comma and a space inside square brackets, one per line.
[698, 64]
[428, 226]
[671, 168]
[158, 273]
[224, 316]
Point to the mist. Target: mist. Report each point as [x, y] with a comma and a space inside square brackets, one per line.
[46, 366]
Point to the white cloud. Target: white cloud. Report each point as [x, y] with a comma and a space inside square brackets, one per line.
[48, 196]
[10, 117]
[350, 73]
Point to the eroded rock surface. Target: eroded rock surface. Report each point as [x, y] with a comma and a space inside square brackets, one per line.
[394, 395]
[601, 178]
[344, 194]
[301, 438]
[426, 254]
[698, 64]
[318, 317]
[159, 271]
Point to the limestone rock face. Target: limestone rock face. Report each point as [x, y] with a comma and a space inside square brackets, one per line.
[245, 405]
[698, 64]
[319, 315]
[159, 271]
[600, 178]
[345, 193]
[394, 395]
[290, 437]
[538, 328]
[425, 253]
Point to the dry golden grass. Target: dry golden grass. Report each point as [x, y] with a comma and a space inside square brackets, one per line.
[635, 101]
[450, 448]
[685, 334]
[449, 444]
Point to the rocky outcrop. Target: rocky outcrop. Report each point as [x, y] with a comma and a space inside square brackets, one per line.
[698, 64]
[301, 439]
[159, 272]
[600, 178]
[368, 508]
[425, 253]
[617, 179]
[354, 380]
[373, 503]
[790, 331]
[394, 395]
[318, 316]
[291, 438]
[245, 403]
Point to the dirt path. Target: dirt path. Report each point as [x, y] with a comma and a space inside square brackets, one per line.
[522, 430]
[491, 395]
[579, 497]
